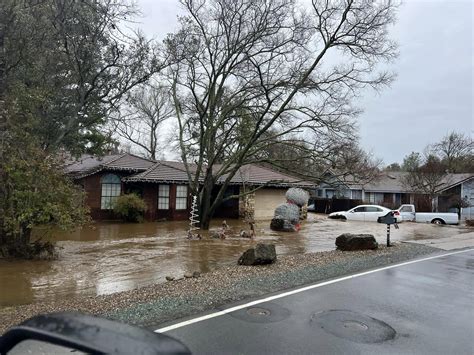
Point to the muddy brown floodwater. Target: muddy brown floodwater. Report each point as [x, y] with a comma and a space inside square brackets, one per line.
[112, 257]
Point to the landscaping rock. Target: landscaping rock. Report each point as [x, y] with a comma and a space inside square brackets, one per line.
[260, 255]
[280, 225]
[196, 274]
[169, 278]
[188, 276]
[349, 241]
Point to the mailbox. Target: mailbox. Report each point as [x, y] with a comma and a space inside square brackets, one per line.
[389, 218]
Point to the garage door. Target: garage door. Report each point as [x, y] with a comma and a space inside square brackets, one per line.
[266, 200]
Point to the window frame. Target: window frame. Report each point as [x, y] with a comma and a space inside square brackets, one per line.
[179, 198]
[110, 190]
[163, 197]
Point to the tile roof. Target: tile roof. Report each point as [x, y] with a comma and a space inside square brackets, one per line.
[88, 164]
[256, 175]
[160, 171]
[170, 171]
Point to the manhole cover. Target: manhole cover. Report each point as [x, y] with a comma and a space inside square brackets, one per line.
[268, 313]
[255, 311]
[353, 326]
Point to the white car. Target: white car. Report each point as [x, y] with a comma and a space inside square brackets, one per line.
[364, 213]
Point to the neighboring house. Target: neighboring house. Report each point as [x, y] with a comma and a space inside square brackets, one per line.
[388, 190]
[460, 187]
[164, 187]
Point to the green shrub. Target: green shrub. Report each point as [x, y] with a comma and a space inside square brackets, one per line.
[130, 208]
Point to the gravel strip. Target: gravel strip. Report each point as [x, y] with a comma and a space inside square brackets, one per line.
[160, 303]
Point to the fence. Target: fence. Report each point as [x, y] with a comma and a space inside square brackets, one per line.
[329, 205]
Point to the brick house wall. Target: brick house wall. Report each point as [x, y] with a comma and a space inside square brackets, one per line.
[263, 202]
[150, 195]
[93, 189]
[149, 192]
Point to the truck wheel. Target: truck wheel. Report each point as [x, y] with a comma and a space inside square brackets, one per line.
[438, 221]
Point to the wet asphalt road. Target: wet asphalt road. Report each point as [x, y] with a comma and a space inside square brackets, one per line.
[425, 307]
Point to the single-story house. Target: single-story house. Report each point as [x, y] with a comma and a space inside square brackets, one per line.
[389, 190]
[164, 187]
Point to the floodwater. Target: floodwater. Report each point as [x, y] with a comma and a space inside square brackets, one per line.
[111, 257]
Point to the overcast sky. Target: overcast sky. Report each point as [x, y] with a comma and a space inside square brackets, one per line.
[433, 93]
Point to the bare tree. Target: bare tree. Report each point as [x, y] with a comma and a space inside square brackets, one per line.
[343, 159]
[250, 72]
[427, 177]
[140, 120]
[456, 150]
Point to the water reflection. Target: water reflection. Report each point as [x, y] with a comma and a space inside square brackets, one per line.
[112, 257]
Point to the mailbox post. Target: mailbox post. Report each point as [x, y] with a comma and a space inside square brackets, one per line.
[388, 219]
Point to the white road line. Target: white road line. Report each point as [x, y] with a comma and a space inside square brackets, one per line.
[289, 293]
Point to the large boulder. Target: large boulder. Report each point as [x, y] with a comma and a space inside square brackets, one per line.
[349, 241]
[286, 218]
[260, 255]
[281, 225]
[288, 211]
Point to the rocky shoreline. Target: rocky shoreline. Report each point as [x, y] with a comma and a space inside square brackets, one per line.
[160, 303]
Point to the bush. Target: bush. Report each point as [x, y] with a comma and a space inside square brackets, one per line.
[470, 222]
[130, 208]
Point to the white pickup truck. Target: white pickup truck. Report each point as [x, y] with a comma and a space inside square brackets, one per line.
[407, 212]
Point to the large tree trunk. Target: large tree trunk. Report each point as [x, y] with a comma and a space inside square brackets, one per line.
[205, 213]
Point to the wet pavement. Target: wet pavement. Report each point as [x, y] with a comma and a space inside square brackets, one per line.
[421, 307]
[112, 257]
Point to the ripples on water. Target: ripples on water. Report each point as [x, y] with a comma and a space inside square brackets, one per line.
[112, 257]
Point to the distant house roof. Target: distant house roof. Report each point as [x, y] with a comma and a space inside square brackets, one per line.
[453, 180]
[175, 172]
[87, 164]
[392, 182]
[386, 182]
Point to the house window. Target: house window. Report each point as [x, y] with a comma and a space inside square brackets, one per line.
[181, 197]
[163, 197]
[375, 197]
[111, 188]
[357, 194]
